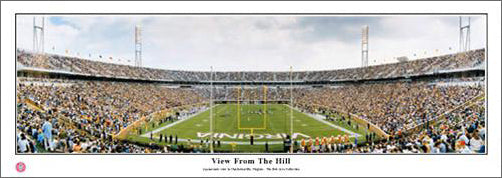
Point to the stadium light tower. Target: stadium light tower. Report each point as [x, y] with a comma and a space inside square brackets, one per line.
[465, 35]
[364, 46]
[137, 46]
[38, 35]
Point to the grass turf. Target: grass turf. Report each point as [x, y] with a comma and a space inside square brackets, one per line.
[230, 128]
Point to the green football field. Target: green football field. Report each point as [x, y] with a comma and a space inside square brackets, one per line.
[234, 124]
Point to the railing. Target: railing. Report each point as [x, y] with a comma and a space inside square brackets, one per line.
[472, 101]
[372, 127]
[33, 105]
[153, 117]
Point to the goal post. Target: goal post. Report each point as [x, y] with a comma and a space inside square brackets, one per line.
[239, 101]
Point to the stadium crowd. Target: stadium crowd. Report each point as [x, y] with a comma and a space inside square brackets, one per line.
[75, 113]
[60, 117]
[456, 61]
[392, 107]
[462, 131]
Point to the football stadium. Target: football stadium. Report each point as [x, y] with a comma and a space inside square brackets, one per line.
[72, 104]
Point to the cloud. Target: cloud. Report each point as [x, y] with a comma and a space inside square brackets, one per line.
[251, 42]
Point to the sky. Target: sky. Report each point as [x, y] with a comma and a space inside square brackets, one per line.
[249, 42]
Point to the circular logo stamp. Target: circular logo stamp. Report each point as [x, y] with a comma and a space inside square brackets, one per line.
[20, 167]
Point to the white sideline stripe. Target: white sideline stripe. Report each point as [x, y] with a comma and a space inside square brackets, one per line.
[175, 123]
[320, 119]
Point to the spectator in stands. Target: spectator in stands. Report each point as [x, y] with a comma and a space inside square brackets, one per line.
[47, 129]
[23, 144]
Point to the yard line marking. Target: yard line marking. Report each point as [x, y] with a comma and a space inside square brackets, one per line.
[147, 134]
